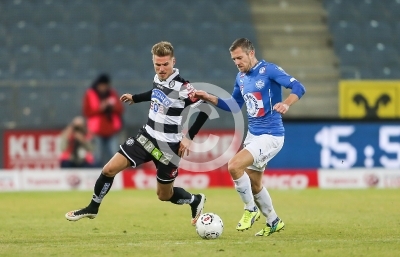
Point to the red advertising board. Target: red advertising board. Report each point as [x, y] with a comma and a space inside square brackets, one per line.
[274, 179]
[39, 149]
[29, 149]
[146, 179]
[290, 179]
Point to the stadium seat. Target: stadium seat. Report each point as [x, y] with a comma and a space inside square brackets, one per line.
[30, 74]
[67, 105]
[377, 32]
[5, 61]
[238, 30]
[396, 34]
[7, 99]
[234, 11]
[32, 105]
[146, 34]
[84, 34]
[115, 34]
[188, 58]
[353, 55]
[28, 57]
[384, 55]
[180, 34]
[346, 33]
[342, 11]
[59, 63]
[24, 33]
[47, 11]
[3, 36]
[145, 11]
[387, 72]
[82, 11]
[209, 34]
[349, 72]
[113, 11]
[20, 10]
[393, 9]
[89, 62]
[123, 63]
[367, 73]
[372, 10]
[55, 34]
[178, 12]
[218, 64]
[204, 11]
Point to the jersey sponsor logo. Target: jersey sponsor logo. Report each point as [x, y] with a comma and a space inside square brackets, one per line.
[260, 84]
[254, 104]
[161, 97]
[156, 107]
[261, 70]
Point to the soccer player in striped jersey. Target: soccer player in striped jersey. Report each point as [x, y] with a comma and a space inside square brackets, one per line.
[259, 85]
[160, 140]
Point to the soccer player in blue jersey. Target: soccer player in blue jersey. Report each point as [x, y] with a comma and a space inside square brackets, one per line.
[259, 85]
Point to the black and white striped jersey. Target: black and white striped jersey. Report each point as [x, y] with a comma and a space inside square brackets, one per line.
[169, 98]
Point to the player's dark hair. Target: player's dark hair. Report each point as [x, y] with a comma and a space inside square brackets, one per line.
[243, 43]
[162, 49]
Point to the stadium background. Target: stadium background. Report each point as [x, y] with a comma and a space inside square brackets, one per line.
[342, 134]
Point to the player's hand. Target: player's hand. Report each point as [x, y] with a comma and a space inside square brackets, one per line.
[184, 146]
[127, 98]
[281, 108]
[203, 95]
[80, 137]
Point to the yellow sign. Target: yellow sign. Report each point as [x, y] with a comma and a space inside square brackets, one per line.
[369, 99]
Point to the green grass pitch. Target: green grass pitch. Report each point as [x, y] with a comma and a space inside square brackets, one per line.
[135, 223]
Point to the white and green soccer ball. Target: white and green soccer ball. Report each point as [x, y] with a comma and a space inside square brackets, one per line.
[209, 226]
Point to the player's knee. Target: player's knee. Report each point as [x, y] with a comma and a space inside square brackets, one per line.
[234, 168]
[109, 171]
[163, 197]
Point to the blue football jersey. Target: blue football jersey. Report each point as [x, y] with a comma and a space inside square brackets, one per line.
[261, 88]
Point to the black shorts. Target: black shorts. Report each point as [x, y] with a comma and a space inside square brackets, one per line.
[163, 156]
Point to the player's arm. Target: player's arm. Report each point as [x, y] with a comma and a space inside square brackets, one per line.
[136, 98]
[233, 104]
[205, 111]
[281, 77]
[202, 117]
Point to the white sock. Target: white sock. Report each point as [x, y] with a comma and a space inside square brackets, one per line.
[264, 202]
[243, 187]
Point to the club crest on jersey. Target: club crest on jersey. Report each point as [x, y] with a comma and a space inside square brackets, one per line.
[171, 84]
[130, 141]
[261, 70]
[260, 84]
[254, 104]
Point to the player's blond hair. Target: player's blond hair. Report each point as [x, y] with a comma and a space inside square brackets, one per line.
[162, 49]
[243, 43]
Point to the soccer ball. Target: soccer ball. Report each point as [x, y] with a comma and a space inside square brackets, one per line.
[209, 226]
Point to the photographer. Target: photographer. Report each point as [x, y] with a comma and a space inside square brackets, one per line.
[103, 111]
[76, 147]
